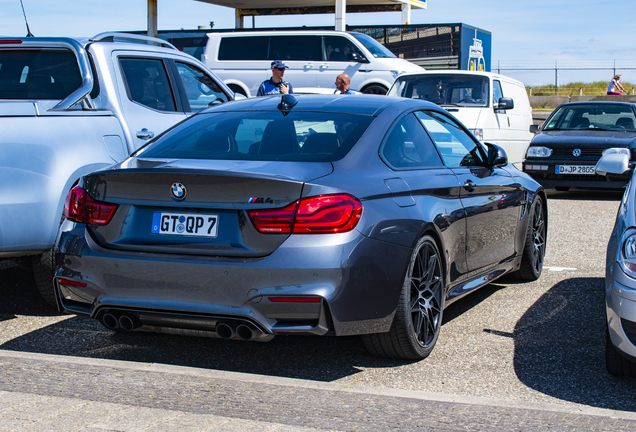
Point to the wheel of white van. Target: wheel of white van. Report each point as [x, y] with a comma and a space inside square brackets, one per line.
[237, 89]
[43, 267]
[375, 89]
[418, 317]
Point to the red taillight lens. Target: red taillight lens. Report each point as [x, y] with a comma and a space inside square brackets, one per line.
[314, 215]
[10, 41]
[274, 221]
[81, 207]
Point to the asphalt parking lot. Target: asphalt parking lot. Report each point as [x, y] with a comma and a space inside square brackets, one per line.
[540, 342]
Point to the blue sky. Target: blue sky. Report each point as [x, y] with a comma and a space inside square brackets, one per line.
[575, 34]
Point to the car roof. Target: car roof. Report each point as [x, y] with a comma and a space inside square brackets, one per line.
[361, 104]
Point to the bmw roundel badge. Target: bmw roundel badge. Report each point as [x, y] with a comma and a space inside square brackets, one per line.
[178, 190]
[576, 152]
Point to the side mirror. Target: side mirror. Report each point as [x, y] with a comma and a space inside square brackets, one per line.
[534, 128]
[496, 156]
[357, 58]
[505, 103]
[613, 163]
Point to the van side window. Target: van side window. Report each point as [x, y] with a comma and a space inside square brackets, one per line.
[497, 93]
[244, 48]
[147, 83]
[338, 48]
[305, 48]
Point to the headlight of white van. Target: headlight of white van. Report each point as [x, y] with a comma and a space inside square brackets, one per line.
[539, 152]
[616, 150]
[479, 133]
[626, 254]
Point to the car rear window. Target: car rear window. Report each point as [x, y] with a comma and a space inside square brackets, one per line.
[263, 136]
[38, 73]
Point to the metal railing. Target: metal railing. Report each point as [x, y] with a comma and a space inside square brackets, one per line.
[569, 66]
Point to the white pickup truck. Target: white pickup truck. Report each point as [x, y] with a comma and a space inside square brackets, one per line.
[72, 106]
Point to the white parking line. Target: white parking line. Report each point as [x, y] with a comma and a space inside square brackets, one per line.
[559, 268]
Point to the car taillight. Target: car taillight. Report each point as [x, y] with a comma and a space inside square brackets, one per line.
[81, 207]
[314, 215]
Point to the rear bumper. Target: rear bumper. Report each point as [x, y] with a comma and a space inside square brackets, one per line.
[356, 280]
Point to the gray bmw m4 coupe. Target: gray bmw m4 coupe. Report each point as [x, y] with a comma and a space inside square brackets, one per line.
[300, 215]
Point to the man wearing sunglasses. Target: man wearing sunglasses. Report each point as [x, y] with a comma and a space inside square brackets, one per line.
[275, 85]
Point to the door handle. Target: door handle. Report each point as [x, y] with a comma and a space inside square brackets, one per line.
[324, 66]
[469, 185]
[308, 66]
[145, 134]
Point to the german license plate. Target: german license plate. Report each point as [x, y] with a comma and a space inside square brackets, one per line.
[575, 169]
[197, 225]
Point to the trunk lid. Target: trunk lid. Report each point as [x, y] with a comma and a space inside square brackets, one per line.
[210, 204]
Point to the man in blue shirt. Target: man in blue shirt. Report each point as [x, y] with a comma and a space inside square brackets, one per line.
[275, 85]
[342, 84]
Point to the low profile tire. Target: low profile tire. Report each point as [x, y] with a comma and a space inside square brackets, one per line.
[375, 89]
[561, 188]
[418, 317]
[534, 247]
[616, 364]
[43, 267]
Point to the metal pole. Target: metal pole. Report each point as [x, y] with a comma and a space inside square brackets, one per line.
[498, 70]
[152, 18]
[556, 78]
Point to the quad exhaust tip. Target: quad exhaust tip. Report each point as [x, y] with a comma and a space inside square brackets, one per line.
[226, 329]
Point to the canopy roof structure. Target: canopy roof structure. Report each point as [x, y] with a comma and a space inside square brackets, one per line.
[340, 8]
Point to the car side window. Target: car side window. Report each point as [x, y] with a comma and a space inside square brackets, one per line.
[243, 48]
[455, 146]
[497, 93]
[408, 146]
[147, 83]
[338, 48]
[201, 89]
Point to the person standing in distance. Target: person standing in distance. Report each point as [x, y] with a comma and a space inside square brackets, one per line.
[342, 84]
[275, 85]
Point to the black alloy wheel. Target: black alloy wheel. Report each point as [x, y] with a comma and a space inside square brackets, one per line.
[534, 248]
[418, 317]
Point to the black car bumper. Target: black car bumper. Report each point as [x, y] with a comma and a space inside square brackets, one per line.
[544, 172]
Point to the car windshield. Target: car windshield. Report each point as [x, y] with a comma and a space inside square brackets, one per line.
[592, 116]
[38, 73]
[375, 48]
[444, 89]
[262, 136]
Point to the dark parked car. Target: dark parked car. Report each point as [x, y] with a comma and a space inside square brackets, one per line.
[572, 140]
[620, 276]
[300, 215]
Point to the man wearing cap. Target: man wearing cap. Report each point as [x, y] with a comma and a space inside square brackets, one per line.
[275, 85]
[342, 84]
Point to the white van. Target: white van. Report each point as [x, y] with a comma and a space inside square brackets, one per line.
[242, 59]
[494, 107]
